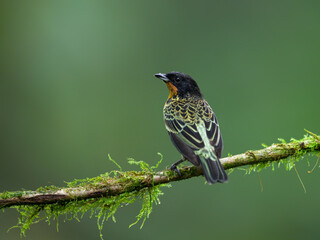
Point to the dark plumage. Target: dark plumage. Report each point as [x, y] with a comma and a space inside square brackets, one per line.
[193, 126]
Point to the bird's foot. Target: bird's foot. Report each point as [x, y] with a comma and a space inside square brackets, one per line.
[176, 169]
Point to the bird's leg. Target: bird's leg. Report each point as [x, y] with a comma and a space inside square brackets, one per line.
[175, 168]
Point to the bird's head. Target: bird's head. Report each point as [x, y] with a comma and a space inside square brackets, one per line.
[180, 84]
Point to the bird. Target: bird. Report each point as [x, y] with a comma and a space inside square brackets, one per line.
[192, 126]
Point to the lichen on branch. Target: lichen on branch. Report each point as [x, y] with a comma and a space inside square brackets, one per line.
[103, 195]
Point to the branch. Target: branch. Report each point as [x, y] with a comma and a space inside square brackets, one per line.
[126, 182]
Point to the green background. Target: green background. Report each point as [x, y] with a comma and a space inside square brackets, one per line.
[77, 83]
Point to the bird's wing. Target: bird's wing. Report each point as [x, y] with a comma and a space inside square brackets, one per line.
[187, 132]
[184, 127]
[213, 130]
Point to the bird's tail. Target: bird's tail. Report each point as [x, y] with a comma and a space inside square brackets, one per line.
[212, 169]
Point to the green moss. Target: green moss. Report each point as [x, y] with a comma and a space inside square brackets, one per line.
[17, 194]
[102, 208]
[170, 174]
[289, 163]
[47, 188]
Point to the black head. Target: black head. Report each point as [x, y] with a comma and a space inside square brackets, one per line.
[184, 84]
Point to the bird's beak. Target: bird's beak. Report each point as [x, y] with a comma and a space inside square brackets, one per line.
[172, 89]
[162, 76]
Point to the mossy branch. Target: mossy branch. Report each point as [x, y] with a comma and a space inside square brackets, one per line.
[105, 186]
[108, 191]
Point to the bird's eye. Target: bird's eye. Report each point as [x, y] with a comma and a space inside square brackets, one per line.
[178, 79]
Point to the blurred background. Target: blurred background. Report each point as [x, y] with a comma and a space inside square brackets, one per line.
[76, 83]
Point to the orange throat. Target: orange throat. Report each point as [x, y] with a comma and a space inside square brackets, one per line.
[172, 89]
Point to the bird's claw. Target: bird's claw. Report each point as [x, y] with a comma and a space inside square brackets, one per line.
[176, 169]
